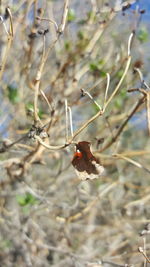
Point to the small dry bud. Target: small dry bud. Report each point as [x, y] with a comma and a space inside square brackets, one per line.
[140, 249]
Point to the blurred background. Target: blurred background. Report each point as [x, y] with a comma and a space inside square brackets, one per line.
[49, 217]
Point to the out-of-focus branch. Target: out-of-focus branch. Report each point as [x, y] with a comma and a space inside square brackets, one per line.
[122, 126]
[9, 42]
[137, 164]
[125, 71]
[89, 206]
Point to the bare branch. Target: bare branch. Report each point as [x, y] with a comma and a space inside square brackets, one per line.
[64, 17]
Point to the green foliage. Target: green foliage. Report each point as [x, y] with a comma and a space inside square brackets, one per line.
[82, 40]
[26, 200]
[40, 113]
[91, 15]
[5, 244]
[119, 74]
[30, 110]
[123, 94]
[95, 109]
[29, 107]
[143, 35]
[82, 21]
[68, 45]
[97, 67]
[13, 94]
[71, 15]
[81, 35]
[119, 101]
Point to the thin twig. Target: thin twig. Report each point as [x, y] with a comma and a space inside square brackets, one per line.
[49, 146]
[122, 126]
[137, 164]
[125, 71]
[11, 23]
[37, 83]
[135, 153]
[6, 147]
[66, 115]
[112, 95]
[10, 38]
[144, 254]
[144, 249]
[141, 78]
[91, 97]
[64, 17]
[89, 206]
[146, 93]
[99, 113]
[49, 20]
[46, 99]
[148, 110]
[70, 120]
[120, 82]
[106, 91]
[138, 202]
[5, 28]
[130, 43]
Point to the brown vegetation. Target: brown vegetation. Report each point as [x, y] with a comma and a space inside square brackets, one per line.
[73, 71]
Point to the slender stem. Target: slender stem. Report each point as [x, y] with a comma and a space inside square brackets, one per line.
[132, 112]
[10, 38]
[66, 113]
[144, 254]
[89, 206]
[70, 119]
[49, 146]
[120, 82]
[46, 99]
[49, 20]
[141, 78]
[99, 113]
[106, 91]
[91, 97]
[148, 110]
[64, 17]
[137, 164]
[37, 83]
[1, 19]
